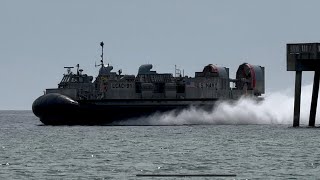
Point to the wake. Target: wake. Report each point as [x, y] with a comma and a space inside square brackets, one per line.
[276, 108]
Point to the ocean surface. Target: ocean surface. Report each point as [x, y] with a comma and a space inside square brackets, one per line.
[30, 150]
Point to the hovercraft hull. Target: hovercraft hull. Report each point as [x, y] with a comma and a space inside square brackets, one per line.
[57, 109]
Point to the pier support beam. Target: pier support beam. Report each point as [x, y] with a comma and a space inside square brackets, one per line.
[314, 100]
[297, 99]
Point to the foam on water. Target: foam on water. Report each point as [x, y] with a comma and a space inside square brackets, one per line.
[276, 108]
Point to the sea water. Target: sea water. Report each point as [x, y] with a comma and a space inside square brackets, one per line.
[248, 139]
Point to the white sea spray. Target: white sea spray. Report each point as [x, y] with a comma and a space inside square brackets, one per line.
[276, 108]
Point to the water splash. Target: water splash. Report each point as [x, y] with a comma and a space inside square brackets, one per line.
[276, 108]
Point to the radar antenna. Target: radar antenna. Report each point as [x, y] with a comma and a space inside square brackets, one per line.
[69, 69]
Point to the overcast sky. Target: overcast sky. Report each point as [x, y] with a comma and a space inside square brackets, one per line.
[39, 38]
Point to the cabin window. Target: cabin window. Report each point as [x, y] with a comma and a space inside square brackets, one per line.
[138, 87]
[73, 79]
[181, 89]
[159, 87]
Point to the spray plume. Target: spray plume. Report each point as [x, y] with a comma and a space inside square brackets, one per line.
[276, 108]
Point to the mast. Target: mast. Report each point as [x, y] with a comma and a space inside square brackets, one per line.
[102, 44]
[78, 69]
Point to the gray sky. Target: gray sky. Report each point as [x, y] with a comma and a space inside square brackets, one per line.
[39, 38]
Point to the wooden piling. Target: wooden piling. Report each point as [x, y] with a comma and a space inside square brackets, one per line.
[314, 100]
[297, 99]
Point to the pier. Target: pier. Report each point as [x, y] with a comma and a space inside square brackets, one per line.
[304, 57]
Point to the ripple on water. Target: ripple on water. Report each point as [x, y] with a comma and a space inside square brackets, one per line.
[29, 151]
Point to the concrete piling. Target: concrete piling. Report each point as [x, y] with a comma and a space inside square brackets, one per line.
[314, 100]
[297, 99]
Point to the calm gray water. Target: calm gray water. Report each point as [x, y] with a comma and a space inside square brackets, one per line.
[29, 150]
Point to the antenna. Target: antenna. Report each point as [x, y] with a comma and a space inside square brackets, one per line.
[78, 69]
[69, 69]
[102, 64]
[102, 44]
[177, 72]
